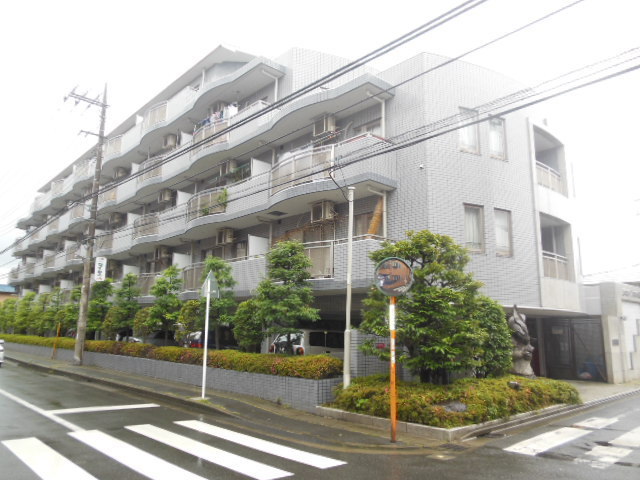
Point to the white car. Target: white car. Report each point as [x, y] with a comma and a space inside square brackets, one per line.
[311, 342]
[1, 351]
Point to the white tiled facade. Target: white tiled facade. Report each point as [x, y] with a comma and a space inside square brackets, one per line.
[162, 207]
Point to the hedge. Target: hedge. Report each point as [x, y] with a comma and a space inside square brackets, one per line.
[315, 367]
[481, 399]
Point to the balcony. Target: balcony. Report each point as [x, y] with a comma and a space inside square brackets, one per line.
[550, 178]
[556, 266]
[145, 225]
[154, 116]
[208, 202]
[113, 147]
[192, 277]
[302, 166]
[149, 170]
[145, 282]
[79, 212]
[109, 197]
[207, 129]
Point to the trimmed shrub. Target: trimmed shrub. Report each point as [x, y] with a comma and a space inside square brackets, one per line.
[484, 399]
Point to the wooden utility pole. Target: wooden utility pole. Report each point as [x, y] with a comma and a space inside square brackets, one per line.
[89, 237]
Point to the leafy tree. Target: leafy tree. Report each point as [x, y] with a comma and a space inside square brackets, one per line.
[69, 314]
[143, 324]
[23, 313]
[112, 322]
[285, 297]
[497, 347]
[37, 316]
[8, 315]
[439, 322]
[126, 300]
[248, 328]
[99, 305]
[164, 313]
[190, 319]
[52, 314]
[220, 308]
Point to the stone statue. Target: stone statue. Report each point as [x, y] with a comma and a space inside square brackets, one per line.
[522, 348]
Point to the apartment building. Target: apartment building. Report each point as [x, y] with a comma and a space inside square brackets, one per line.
[209, 167]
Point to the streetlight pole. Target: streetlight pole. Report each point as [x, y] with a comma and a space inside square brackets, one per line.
[346, 373]
[86, 270]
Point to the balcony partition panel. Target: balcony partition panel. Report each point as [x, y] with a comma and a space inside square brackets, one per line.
[321, 256]
[192, 277]
[171, 222]
[154, 116]
[79, 210]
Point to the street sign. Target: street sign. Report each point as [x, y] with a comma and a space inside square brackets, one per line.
[210, 286]
[100, 272]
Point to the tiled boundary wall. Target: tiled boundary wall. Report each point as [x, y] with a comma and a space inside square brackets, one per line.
[299, 393]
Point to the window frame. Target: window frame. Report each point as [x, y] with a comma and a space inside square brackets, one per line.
[502, 131]
[474, 247]
[465, 115]
[500, 251]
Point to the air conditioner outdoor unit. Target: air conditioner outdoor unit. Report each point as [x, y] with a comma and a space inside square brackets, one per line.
[162, 253]
[170, 141]
[324, 210]
[120, 172]
[165, 196]
[225, 236]
[115, 219]
[324, 125]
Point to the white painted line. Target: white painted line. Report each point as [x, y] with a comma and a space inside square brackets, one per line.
[547, 441]
[265, 446]
[596, 422]
[606, 456]
[107, 408]
[132, 457]
[45, 461]
[629, 439]
[44, 413]
[239, 464]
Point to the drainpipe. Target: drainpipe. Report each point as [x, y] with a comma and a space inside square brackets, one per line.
[383, 194]
[275, 86]
[383, 114]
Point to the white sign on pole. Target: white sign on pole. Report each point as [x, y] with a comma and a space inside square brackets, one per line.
[100, 272]
[209, 287]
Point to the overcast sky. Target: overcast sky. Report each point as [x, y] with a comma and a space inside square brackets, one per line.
[138, 47]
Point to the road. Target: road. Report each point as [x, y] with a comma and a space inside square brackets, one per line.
[54, 428]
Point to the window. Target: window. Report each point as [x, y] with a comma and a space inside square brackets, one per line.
[474, 228]
[363, 222]
[371, 127]
[502, 220]
[469, 133]
[497, 145]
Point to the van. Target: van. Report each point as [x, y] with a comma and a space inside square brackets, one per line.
[311, 342]
[196, 339]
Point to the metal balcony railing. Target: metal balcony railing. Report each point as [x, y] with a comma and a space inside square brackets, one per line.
[145, 225]
[154, 116]
[302, 166]
[207, 130]
[192, 277]
[151, 172]
[557, 266]
[205, 203]
[550, 178]
[113, 147]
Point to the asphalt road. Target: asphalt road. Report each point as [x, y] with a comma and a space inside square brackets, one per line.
[53, 427]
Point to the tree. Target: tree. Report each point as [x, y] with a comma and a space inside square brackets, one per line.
[220, 307]
[8, 315]
[23, 313]
[439, 322]
[248, 328]
[37, 316]
[126, 301]
[56, 305]
[285, 297]
[143, 324]
[99, 305]
[68, 316]
[164, 313]
[190, 319]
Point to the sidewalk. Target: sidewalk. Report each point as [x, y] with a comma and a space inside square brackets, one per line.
[262, 411]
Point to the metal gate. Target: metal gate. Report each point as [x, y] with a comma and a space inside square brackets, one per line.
[574, 349]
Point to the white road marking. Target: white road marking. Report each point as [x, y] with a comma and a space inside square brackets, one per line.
[108, 408]
[132, 457]
[606, 456]
[44, 461]
[596, 422]
[629, 439]
[265, 446]
[547, 441]
[239, 464]
[44, 413]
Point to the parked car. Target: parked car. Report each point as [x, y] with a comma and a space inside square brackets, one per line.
[1, 351]
[227, 340]
[311, 342]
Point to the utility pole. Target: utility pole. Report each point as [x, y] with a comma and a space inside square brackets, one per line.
[346, 373]
[86, 270]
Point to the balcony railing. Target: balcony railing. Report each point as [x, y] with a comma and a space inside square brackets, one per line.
[50, 260]
[206, 203]
[113, 147]
[84, 169]
[78, 211]
[321, 256]
[151, 171]
[154, 116]
[145, 225]
[145, 282]
[71, 254]
[208, 130]
[557, 266]
[105, 242]
[302, 166]
[192, 277]
[53, 226]
[110, 195]
[550, 178]
[57, 187]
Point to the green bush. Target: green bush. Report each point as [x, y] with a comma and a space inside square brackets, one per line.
[485, 399]
[314, 367]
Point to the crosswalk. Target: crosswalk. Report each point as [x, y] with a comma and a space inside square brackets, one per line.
[49, 464]
[608, 449]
